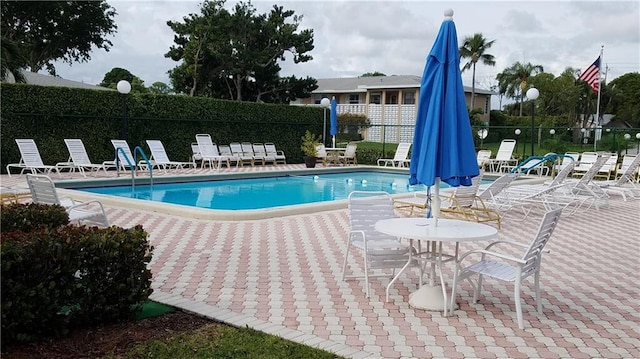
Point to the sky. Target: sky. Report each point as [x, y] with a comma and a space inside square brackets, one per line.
[394, 36]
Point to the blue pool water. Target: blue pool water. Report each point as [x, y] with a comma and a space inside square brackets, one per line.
[256, 193]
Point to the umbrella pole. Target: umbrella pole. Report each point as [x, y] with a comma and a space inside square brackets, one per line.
[435, 206]
[333, 140]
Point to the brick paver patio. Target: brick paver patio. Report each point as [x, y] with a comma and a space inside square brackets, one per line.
[282, 276]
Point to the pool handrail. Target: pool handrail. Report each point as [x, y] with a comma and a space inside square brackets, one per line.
[133, 167]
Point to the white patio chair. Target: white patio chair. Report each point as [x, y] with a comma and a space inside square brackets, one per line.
[379, 251]
[79, 159]
[160, 159]
[30, 159]
[195, 154]
[44, 191]
[272, 151]
[321, 155]
[503, 159]
[508, 268]
[349, 155]
[400, 158]
[209, 152]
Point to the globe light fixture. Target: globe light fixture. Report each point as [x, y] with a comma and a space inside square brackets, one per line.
[518, 132]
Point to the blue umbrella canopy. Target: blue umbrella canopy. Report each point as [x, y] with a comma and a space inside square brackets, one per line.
[443, 140]
[334, 117]
[333, 130]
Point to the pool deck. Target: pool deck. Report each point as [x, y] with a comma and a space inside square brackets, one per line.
[282, 276]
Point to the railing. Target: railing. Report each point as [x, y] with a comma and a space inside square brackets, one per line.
[133, 166]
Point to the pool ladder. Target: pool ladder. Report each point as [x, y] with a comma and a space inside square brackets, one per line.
[133, 166]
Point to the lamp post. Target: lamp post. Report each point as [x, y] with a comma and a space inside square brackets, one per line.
[552, 132]
[124, 87]
[583, 130]
[532, 94]
[627, 137]
[325, 103]
[482, 133]
[518, 132]
[638, 138]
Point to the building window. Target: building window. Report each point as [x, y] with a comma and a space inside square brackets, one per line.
[354, 98]
[409, 97]
[487, 104]
[375, 97]
[317, 98]
[391, 98]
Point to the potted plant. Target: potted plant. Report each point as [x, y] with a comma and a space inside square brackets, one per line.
[308, 147]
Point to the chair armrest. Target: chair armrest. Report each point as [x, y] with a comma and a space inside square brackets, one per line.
[86, 204]
[507, 242]
[494, 254]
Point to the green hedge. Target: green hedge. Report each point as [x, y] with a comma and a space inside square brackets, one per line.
[50, 114]
[58, 277]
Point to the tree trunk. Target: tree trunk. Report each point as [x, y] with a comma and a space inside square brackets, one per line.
[473, 88]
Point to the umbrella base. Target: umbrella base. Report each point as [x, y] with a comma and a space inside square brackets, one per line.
[428, 297]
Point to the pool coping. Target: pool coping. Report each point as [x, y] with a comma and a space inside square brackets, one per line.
[215, 214]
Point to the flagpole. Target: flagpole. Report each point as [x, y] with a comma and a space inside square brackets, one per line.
[598, 132]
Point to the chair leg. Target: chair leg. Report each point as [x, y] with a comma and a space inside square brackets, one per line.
[346, 257]
[537, 290]
[516, 293]
[366, 273]
[453, 288]
[476, 293]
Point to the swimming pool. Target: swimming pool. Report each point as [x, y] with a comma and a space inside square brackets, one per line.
[263, 193]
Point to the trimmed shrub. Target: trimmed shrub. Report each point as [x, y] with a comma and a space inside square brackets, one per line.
[27, 217]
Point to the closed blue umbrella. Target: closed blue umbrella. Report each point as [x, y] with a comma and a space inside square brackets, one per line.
[333, 131]
[443, 141]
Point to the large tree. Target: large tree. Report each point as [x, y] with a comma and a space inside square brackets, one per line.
[513, 81]
[474, 48]
[117, 74]
[11, 61]
[46, 31]
[236, 54]
[625, 98]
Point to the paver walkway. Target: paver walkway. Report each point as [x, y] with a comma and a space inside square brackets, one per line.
[282, 276]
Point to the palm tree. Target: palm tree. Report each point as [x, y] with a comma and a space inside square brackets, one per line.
[474, 48]
[512, 81]
[10, 61]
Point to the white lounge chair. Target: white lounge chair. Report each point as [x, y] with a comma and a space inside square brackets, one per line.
[272, 151]
[503, 159]
[624, 185]
[209, 152]
[125, 159]
[400, 158]
[483, 157]
[506, 267]
[44, 191]
[30, 159]
[260, 154]
[622, 167]
[79, 159]
[160, 159]
[379, 251]
[237, 150]
[584, 163]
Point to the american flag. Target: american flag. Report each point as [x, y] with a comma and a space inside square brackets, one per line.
[592, 75]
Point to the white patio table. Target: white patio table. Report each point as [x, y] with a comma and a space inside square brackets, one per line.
[431, 297]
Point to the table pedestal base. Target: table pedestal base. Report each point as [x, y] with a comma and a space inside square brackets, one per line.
[428, 297]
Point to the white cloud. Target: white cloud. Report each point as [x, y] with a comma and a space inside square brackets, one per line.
[394, 37]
